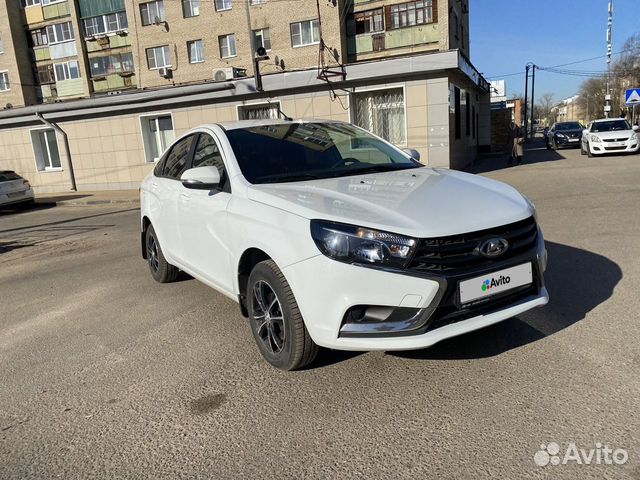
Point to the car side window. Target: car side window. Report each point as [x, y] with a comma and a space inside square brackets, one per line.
[177, 160]
[207, 154]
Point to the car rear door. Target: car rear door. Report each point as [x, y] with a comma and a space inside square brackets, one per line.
[167, 188]
[203, 219]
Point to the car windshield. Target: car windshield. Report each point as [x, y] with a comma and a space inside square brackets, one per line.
[8, 176]
[568, 126]
[610, 126]
[289, 152]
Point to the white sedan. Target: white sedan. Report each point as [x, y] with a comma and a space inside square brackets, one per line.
[14, 188]
[609, 135]
[329, 236]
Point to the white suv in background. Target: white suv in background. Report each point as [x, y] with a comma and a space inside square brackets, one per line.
[609, 135]
[329, 236]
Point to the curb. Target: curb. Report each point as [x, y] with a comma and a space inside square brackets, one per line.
[85, 203]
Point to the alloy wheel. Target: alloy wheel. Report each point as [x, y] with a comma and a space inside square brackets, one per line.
[268, 317]
[152, 253]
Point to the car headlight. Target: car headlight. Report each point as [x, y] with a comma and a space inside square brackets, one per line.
[352, 244]
[560, 135]
[634, 137]
[595, 138]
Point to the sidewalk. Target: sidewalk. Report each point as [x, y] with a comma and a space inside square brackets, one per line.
[104, 197]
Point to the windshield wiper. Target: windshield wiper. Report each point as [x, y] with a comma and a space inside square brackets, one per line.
[290, 178]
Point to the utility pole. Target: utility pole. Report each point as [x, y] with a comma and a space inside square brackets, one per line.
[607, 107]
[533, 97]
[526, 97]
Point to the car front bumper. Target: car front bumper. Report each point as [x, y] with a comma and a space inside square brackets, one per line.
[567, 142]
[16, 197]
[603, 149]
[327, 292]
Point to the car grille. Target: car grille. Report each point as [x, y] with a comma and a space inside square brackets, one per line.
[616, 139]
[615, 148]
[457, 254]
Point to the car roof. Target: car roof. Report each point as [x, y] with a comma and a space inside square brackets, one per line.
[236, 124]
[607, 119]
[7, 171]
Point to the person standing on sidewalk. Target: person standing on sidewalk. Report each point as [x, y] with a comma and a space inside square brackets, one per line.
[518, 144]
[513, 130]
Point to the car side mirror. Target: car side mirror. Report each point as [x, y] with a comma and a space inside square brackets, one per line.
[201, 178]
[412, 152]
[636, 128]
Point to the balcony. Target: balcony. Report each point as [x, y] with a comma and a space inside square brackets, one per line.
[114, 81]
[106, 42]
[418, 35]
[55, 10]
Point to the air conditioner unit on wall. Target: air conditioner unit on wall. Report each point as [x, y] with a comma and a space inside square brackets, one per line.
[229, 73]
[165, 72]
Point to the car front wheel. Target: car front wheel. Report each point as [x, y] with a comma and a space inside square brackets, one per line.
[276, 321]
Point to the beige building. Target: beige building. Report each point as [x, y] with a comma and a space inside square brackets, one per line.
[147, 71]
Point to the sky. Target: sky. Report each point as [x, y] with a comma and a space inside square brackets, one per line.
[507, 34]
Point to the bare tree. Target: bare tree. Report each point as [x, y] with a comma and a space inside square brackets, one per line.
[544, 109]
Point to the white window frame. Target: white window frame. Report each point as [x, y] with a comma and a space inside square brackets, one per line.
[157, 134]
[1, 46]
[195, 43]
[161, 14]
[7, 83]
[155, 57]
[66, 66]
[352, 111]
[51, 2]
[255, 34]
[273, 103]
[299, 24]
[257, 2]
[53, 39]
[105, 23]
[30, 3]
[225, 5]
[226, 39]
[35, 157]
[190, 5]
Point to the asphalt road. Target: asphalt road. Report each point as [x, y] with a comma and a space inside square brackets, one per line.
[106, 374]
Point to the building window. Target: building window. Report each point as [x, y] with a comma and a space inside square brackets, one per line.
[223, 5]
[369, 22]
[157, 135]
[382, 113]
[114, 22]
[262, 38]
[66, 70]
[259, 111]
[257, 2]
[467, 113]
[196, 51]
[190, 8]
[30, 3]
[227, 45]
[38, 37]
[158, 57]
[305, 33]
[109, 64]
[457, 116]
[411, 13]
[60, 32]
[4, 81]
[151, 11]
[1, 46]
[45, 75]
[45, 148]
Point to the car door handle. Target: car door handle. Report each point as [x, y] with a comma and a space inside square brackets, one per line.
[185, 197]
[154, 185]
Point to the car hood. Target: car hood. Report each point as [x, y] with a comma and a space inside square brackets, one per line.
[569, 132]
[422, 202]
[613, 134]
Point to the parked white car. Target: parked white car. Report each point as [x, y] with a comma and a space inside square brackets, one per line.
[609, 135]
[329, 236]
[14, 188]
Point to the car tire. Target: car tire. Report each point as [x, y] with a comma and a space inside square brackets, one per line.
[276, 322]
[161, 270]
[589, 154]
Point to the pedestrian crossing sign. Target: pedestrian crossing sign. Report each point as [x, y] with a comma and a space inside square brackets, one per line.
[633, 96]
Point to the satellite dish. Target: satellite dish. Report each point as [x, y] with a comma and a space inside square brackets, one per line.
[281, 64]
[277, 60]
[8, 106]
[261, 51]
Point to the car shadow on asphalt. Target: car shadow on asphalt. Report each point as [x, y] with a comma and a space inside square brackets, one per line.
[25, 207]
[535, 153]
[578, 281]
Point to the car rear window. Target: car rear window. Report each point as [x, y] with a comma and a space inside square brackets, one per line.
[8, 176]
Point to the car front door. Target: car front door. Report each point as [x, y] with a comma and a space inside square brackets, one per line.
[203, 220]
[168, 188]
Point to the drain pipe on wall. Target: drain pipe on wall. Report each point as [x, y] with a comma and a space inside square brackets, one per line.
[67, 150]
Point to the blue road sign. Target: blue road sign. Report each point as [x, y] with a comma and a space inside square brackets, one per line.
[632, 96]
